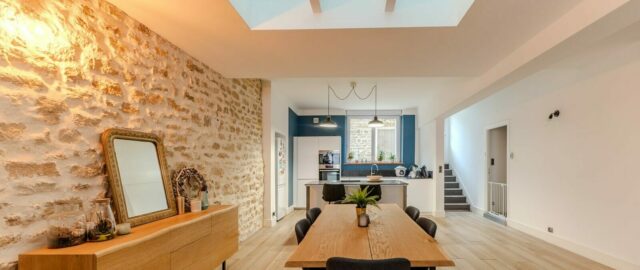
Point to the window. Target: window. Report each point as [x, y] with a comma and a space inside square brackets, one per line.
[367, 144]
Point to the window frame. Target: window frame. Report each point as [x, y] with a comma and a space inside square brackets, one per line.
[374, 144]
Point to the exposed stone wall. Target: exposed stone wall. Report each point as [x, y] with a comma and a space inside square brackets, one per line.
[71, 69]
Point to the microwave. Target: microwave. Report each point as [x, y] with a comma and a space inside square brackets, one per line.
[329, 159]
[329, 175]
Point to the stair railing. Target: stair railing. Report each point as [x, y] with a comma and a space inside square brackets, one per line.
[498, 198]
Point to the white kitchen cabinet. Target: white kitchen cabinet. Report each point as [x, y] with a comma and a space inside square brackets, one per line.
[421, 194]
[306, 162]
[329, 143]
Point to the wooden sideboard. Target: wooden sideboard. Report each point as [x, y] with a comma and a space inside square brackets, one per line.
[201, 240]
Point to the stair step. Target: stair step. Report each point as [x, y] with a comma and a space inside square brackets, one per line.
[452, 191]
[451, 185]
[450, 179]
[455, 199]
[446, 166]
[457, 206]
[448, 172]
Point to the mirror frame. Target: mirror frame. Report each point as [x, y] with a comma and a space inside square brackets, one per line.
[115, 183]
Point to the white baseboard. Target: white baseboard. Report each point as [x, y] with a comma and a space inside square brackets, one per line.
[477, 210]
[268, 222]
[439, 213]
[588, 252]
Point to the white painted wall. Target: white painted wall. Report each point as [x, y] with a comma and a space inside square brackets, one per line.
[275, 119]
[577, 173]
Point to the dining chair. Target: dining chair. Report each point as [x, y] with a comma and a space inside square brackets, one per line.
[428, 226]
[333, 193]
[301, 228]
[313, 214]
[373, 190]
[338, 263]
[414, 213]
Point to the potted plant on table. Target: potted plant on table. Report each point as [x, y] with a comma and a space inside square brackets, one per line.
[361, 199]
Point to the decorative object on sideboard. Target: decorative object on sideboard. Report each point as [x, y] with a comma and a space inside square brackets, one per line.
[66, 227]
[188, 183]
[205, 197]
[101, 224]
[123, 229]
[138, 176]
[361, 198]
[180, 203]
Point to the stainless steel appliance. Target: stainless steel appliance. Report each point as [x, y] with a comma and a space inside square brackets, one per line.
[329, 175]
[329, 159]
[329, 165]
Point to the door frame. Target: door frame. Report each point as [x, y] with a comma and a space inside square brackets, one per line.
[485, 167]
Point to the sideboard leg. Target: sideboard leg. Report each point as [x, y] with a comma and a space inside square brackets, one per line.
[224, 265]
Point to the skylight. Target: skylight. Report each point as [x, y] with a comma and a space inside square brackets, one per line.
[344, 14]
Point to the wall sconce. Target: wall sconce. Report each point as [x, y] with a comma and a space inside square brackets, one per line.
[555, 114]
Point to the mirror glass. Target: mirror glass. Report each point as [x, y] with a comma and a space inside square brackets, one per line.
[140, 177]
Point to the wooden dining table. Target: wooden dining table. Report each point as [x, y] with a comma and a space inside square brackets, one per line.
[391, 234]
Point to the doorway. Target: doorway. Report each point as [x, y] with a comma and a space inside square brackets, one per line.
[497, 156]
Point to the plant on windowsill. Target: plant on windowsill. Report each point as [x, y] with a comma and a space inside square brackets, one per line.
[350, 157]
[361, 199]
[380, 156]
[392, 158]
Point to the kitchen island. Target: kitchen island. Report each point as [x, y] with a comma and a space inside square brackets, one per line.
[394, 190]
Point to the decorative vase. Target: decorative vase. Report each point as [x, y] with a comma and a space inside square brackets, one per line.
[66, 227]
[361, 211]
[101, 224]
[363, 220]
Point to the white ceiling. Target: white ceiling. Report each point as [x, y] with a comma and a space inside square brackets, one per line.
[342, 14]
[393, 93]
[212, 31]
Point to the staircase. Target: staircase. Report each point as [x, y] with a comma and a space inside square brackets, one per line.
[454, 198]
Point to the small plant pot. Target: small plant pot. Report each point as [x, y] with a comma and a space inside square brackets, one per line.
[360, 211]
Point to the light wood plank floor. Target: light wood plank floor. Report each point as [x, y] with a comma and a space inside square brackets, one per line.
[472, 241]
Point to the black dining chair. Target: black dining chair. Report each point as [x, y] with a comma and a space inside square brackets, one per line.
[373, 190]
[333, 193]
[313, 214]
[337, 263]
[414, 213]
[301, 228]
[428, 226]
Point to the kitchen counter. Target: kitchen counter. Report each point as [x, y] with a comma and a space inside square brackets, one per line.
[394, 189]
[355, 181]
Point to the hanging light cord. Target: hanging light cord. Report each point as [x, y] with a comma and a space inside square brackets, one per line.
[353, 91]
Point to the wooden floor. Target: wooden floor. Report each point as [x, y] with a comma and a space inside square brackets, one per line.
[473, 242]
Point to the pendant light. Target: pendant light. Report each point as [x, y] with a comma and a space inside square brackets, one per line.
[327, 122]
[376, 123]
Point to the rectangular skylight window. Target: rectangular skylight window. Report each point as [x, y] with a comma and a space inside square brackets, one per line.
[345, 14]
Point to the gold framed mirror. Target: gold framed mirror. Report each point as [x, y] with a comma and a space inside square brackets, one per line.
[138, 176]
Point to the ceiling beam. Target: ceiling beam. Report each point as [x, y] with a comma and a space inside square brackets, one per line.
[390, 6]
[315, 6]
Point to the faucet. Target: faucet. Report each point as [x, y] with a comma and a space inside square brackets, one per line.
[377, 168]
